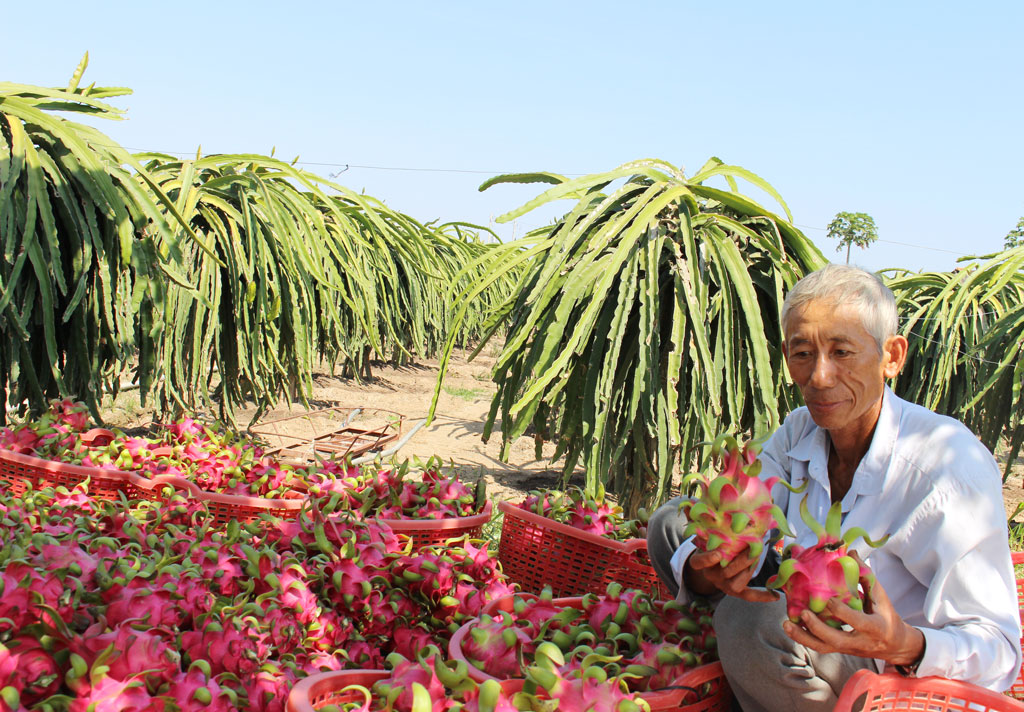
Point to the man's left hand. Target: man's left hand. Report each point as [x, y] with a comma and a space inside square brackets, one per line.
[876, 632]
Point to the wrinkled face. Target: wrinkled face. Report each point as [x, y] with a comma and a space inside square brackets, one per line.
[835, 363]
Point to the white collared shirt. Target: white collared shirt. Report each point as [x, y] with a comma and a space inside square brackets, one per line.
[928, 483]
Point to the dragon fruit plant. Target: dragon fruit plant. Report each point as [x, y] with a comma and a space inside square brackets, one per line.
[593, 514]
[811, 576]
[735, 511]
[652, 642]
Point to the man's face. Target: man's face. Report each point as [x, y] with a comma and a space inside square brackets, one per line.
[835, 363]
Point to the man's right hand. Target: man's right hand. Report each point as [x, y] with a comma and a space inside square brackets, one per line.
[704, 575]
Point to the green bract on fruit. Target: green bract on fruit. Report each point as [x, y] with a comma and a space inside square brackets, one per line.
[811, 576]
[735, 510]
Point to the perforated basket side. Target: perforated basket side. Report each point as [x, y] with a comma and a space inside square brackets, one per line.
[535, 555]
[703, 689]
[890, 692]
[633, 570]
[23, 471]
[223, 507]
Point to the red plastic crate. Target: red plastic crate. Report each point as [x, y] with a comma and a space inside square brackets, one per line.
[317, 691]
[535, 551]
[1017, 688]
[223, 507]
[427, 532]
[707, 682]
[892, 692]
[23, 470]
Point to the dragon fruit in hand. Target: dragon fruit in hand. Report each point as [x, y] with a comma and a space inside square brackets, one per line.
[735, 510]
[811, 576]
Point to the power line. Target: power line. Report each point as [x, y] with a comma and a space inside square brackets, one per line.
[893, 242]
[417, 169]
[348, 166]
[959, 352]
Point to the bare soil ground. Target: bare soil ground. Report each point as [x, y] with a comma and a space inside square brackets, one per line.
[455, 435]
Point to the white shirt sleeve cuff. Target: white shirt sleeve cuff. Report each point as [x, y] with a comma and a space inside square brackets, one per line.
[939, 649]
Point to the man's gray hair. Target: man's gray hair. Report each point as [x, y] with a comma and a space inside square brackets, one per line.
[846, 285]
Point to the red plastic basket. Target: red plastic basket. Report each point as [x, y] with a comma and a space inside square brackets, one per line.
[706, 682]
[535, 551]
[892, 692]
[1017, 688]
[22, 470]
[427, 532]
[223, 507]
[328, 688]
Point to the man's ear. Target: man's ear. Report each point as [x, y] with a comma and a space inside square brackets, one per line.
[894, 355]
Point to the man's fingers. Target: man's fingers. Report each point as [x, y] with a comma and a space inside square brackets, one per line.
[739, 565]
[845, 614]
[705, 559]
[875, 597]
[758, 595]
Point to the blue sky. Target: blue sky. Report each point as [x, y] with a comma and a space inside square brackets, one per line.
[909, 111]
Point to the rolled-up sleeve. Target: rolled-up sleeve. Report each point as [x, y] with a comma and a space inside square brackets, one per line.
[956, 545]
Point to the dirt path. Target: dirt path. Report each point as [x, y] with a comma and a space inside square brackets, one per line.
[454, 435]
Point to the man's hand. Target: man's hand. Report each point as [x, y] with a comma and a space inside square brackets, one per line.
[704, 574]
[876, 632]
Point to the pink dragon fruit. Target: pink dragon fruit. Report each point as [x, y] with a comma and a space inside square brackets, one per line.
[193, 691]
[109, 694]
[139, 601]
[575, 687]
[735, 511]
[667, 663]
[496, 645]
[811, 576]
[225, 646]
[146, 655]
[28, 668]
[594, 515]
[487, 697]
[398, 688]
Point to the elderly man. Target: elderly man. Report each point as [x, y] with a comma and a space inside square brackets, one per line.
[944, 602]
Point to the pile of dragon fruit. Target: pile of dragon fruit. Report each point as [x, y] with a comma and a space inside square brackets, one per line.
[593, 514]
[431, 684]
[651, 643]
[218, 459]
[390, 493]
[142, 606]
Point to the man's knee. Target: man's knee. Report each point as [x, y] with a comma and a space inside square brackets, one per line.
[744, 625]
[664, 535]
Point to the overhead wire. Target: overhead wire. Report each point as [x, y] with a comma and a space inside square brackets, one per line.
[418, 169]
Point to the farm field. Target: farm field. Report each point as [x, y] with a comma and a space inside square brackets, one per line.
[455, 433]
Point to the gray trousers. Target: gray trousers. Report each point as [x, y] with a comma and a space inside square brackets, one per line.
[766, 669]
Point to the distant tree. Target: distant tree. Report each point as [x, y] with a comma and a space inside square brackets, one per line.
[1015, 237]
[852, 229]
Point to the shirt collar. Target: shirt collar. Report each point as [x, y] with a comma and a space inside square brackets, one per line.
[870, 475]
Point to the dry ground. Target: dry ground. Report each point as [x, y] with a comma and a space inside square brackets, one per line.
[454, 435]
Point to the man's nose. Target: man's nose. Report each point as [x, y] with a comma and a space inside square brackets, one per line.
[823, 375]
